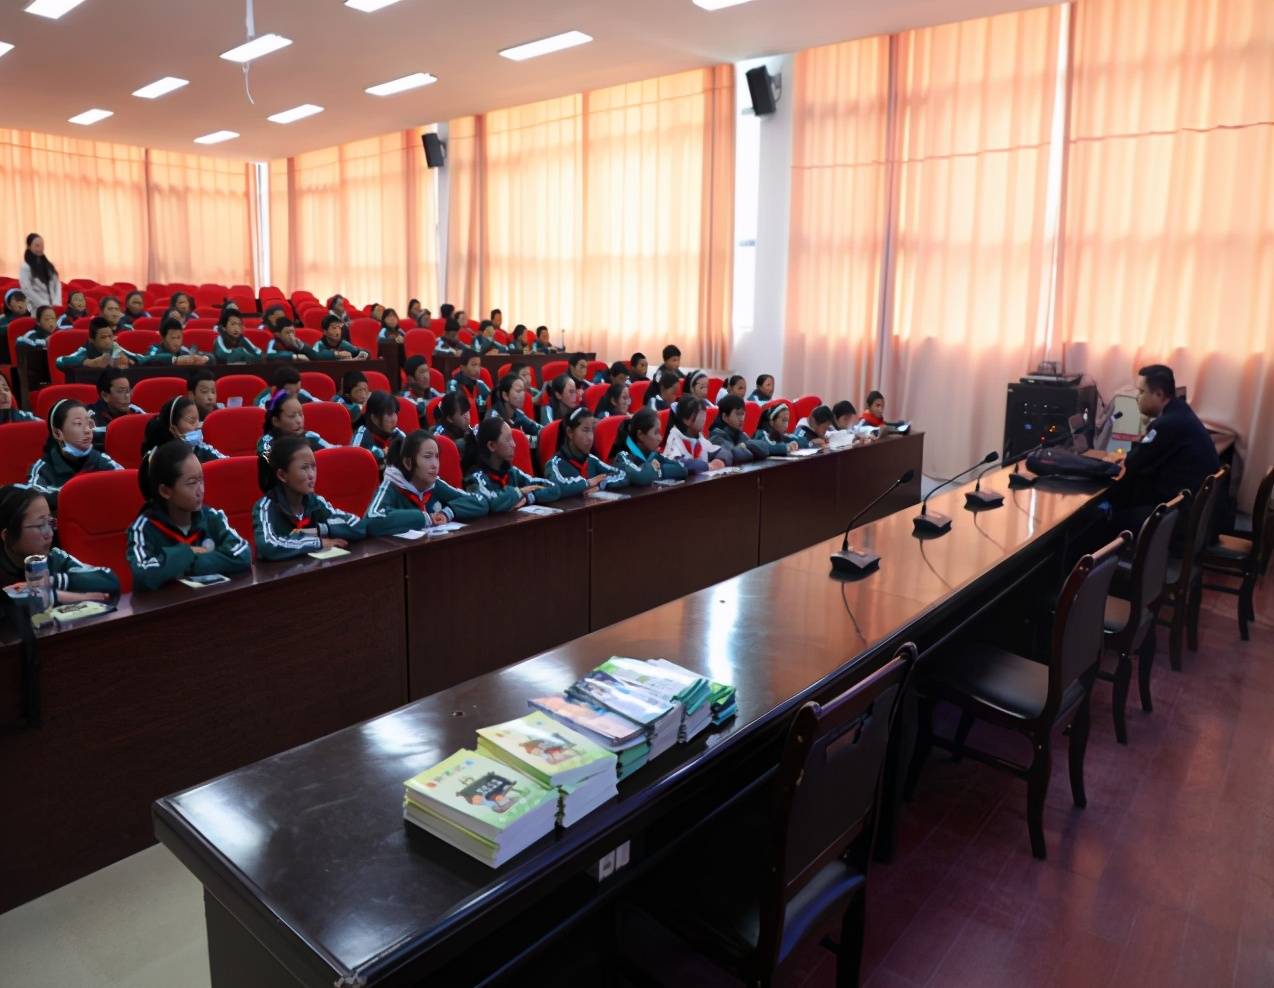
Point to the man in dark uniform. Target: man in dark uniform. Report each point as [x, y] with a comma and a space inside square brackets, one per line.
[1175, 454]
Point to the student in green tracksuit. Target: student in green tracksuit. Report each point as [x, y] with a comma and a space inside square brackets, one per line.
[469, 381]
[771, 432]
[285, 378]
[419, 389]
[46, 323]
[485, 341]
[175, 535]
[291, 520]
[68, 451]
[574, 467]
[286, 345]
[637, 453]
[231, 346]
[285, 417]
[101, 350]
[491, 475]
[27, 527]
[411, 496]
[354, 393]
[377, 427]
[508, 403]
[9, 413]
[813, 430]
[178, 418]
[169, 349]
[333, 345]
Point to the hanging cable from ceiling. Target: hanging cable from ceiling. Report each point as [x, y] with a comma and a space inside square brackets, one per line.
[250, 23]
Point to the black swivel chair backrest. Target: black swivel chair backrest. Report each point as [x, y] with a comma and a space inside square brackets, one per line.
[828, 788]
[1263, 522]
[1079, 626]
[1199, 527]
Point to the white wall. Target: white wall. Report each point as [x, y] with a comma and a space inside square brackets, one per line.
[762, 194]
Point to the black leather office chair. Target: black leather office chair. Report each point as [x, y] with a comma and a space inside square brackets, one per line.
[1248, 559]
[1032, 698]
[1130, 621]
[1184, 591]
[801, 876]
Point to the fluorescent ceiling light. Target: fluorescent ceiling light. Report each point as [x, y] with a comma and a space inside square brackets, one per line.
[413, 81]
[295, 114]
[52, 9]
[368, 6]
[90, 117]
[161, 87]
[257, 47]
[5, 48]
[216, 137]
[718, 4]
[545, 46]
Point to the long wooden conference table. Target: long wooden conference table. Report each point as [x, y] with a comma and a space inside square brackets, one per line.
[311, 877]
[180, 685]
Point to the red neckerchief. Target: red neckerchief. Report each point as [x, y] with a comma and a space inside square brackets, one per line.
[696, 449]
[382, 442]
[872, 420]
[470, 392]
[501, 479]
[194, 536]
[420, 501]
[580, 465]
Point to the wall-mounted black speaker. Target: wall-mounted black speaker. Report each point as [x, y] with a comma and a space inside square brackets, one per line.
[762, 90]
[435, 150]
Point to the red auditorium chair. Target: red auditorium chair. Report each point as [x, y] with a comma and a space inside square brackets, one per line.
[715, 384]
[408, 416]
[482, 373]
[329, 420]
[309, 337]
[61, 343]
[593, 395]
[21, 444]
[431, 412]
[528, 405]
[503, 338]
[124, 439]
[48, 395]
[231, 486]
[466, 337]
[752, 417]
[273, 293]
[522, 452]
[436, 380]
[200, 339]
[94, 513]
[605, 435]
[449, 462]
[595, 367]
[202, 322]
[377, 381]
[243, 386]
[151, 392]
[210, 298]
[236, 431]
[546, 445]
[260, 338]
[348, 477]
[436, 325]
[664, 415]
[508, 369]
[637, 390]
[364, 334]
[137, 341]
[245, 300]
[419, 341]
[81, 324]
[551, 368]
[151, 323]
[775, 402]
[803, 406]
[312, 318]
[15, 329]
[320, 385]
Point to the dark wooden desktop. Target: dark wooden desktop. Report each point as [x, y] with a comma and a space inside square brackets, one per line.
[180, 685]
[449, 363]
[264, 369]
[311, 876]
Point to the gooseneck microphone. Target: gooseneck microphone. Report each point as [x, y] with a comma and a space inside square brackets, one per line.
[936, 523]
[853, 562]
[980, 500]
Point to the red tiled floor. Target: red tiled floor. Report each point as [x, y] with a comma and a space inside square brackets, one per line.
[1166, 879]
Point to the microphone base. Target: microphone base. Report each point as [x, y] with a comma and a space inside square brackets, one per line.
[850, 563]
[983, 500]
[1020, 480]
[931, 523]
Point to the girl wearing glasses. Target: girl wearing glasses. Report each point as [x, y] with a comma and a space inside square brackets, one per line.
[27, 527]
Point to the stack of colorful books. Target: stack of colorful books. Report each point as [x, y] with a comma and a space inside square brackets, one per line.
[623, 738]
[480, 806]
[669, 682]
[659, 718]
[583, 773]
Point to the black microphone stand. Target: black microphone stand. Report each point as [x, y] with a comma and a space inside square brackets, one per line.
[925, 524]
[851, 562]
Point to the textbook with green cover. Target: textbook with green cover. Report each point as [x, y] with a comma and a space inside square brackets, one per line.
[545, 749]
[484, 796]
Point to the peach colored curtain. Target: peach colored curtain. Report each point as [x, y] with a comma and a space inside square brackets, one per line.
[607, 215]
[200, 213]
[838, 219]
[358, 219]
[466, 219]
[1169, 209]
[971, 253]
[87, 198]
[658, 215]
[533, 205]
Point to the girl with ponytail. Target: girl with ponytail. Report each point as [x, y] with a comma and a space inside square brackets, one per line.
[377, 427]
[179, 419]
[175, 536]
[68, 451]
[291, 520]
[574, 467]
[637, 453]
[27, 527]
[686, 443]
[412, 496]
[491, 475]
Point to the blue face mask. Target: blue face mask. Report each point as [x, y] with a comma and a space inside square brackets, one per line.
[194, 437]
[74, 452]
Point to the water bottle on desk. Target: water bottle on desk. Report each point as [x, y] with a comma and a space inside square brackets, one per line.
[39, 584]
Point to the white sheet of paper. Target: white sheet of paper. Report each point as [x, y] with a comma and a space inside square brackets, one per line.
[540, 509]
[443, 529]
[335, 552]
[601, 495]
[411, 535]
